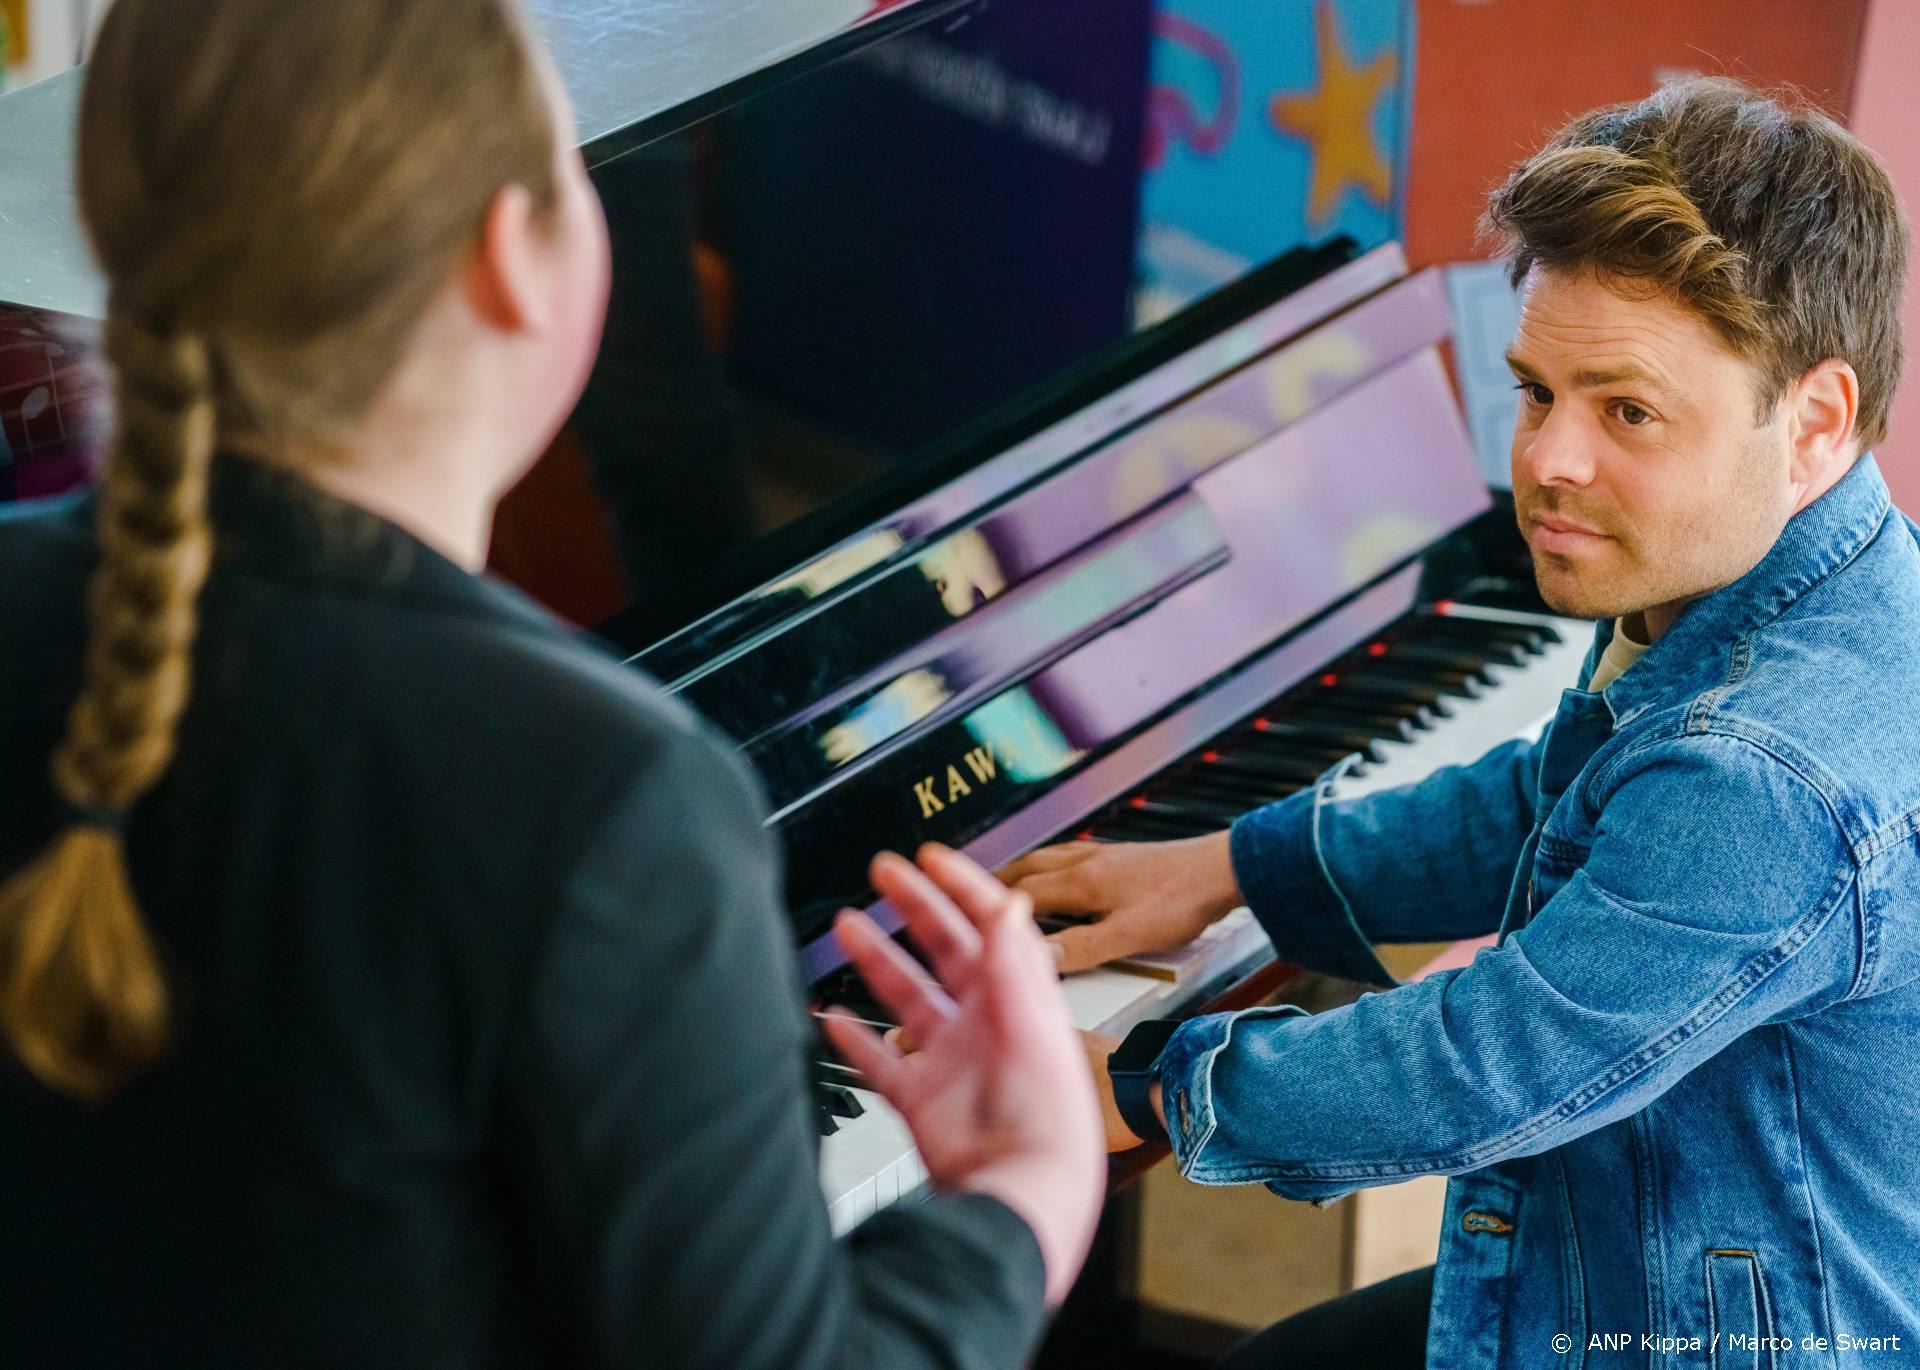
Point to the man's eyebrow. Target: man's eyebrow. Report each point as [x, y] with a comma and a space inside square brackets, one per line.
[1591, 378]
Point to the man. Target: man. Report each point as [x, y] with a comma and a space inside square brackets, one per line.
[1679, 1099]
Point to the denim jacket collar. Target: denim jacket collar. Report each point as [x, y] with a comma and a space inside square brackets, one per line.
[1694, 653]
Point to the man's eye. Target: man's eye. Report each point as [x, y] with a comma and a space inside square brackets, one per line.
[1535, 393]
[1632, 414]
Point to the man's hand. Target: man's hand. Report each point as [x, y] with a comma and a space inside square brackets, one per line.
[996, 1092]
[1146, 896]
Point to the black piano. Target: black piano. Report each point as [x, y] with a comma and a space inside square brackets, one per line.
[924, 458]
[948, 457]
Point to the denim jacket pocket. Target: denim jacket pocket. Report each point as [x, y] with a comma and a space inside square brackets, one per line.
[1555, 859]
[1739, 1316]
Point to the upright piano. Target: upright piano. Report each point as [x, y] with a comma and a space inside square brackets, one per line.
[1010, 429]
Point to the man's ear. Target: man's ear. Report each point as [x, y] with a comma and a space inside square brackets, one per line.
[501, 274]
[1823, 407]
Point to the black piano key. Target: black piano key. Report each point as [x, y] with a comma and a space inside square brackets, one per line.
[1215, 778]
[1375, 687]
[833, 1072]
[1416, 715]
[1531, 638]
[1465, 684]
[1475, 659]
[1312, 761]
[1263, 766]
[1203, 817]
[1208, 795]
[1308, 737]
[1135, 827]
[1236, 798]
[823, 1121]
[1388, 727]
[837, 1100]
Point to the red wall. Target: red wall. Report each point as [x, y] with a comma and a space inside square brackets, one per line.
[1886, 113]
[1495, 76]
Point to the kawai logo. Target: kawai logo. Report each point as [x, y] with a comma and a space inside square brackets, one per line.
[977, 768]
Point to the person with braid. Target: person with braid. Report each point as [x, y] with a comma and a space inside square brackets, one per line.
[387, 977]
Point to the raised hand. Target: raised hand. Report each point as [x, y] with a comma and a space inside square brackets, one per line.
[1142, 896]
[997, 1091]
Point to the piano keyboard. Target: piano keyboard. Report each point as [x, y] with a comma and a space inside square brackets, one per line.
[1438, 688]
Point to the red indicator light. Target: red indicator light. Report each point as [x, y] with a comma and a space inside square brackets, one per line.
[1329, 679]
[1209, 756]
[1260, 725]
[1086, 836]
[1139, 801]
[1443, 606]
[1376, 649]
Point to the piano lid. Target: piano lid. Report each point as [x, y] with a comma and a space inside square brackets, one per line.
[840, 293]
[633, 68]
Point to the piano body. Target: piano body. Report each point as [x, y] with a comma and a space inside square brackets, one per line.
[993, 437]
[927, 460]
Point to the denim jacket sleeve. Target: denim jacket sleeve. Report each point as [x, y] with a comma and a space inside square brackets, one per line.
[1712, 901]
[1424, 863]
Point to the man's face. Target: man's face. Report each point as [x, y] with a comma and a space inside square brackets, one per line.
[1640, 477]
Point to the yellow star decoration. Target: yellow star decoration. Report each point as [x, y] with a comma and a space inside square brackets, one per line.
[1336, 121]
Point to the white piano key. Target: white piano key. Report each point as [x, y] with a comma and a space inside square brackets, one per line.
[1096, 997]
[850, 1193]
[882, 1123]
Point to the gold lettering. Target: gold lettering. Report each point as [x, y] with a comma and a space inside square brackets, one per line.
[956, 787]
[929, 803]
[980, 762]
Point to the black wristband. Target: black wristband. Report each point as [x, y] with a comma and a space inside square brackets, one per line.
[1134, 1068]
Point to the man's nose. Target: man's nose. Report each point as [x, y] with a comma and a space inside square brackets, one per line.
[1557, 452]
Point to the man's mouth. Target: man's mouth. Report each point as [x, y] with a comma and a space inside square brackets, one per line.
[1552, 533]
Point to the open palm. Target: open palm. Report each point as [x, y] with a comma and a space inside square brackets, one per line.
[997, 1092]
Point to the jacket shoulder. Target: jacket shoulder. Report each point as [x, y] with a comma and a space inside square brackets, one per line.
[1832, 685]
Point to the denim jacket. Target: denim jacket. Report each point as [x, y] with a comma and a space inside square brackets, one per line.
[1680, 1097]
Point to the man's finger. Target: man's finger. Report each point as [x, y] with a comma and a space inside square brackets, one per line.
[860, 1047]
[941, 930]
[1061, 891]
[895, 978]
[1046, 859]
[1091, 944]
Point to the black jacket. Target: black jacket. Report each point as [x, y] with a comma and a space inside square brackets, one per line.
[490, 1045]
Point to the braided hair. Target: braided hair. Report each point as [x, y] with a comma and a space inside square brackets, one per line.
[268, 261]
[81, 993]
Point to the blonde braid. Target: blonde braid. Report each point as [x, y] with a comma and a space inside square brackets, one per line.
[82, 996]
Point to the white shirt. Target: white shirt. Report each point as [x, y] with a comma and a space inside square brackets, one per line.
[1621, 653]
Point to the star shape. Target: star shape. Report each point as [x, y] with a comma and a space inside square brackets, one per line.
[1336, 121]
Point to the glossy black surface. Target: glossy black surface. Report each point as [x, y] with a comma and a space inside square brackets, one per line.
[838, 296]
[972, 667]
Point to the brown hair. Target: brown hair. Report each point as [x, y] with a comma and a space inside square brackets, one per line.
[276, 193]
[1768, 220]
